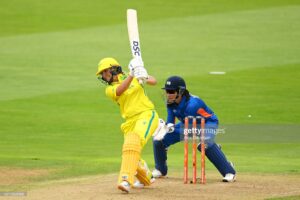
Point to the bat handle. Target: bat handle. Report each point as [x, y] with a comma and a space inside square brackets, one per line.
[141, 81]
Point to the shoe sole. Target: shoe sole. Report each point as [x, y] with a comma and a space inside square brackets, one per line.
[121, 187]
[141, 185]
[160, 177]
[152, 180]
[227, 181]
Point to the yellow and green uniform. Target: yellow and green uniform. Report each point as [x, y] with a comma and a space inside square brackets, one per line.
[141, 120]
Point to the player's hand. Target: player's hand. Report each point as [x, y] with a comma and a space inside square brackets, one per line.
[135, 63]
[141, 73]
[170, 127]
[160, 131]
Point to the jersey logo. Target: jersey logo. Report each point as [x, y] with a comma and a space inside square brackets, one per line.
[203, 113]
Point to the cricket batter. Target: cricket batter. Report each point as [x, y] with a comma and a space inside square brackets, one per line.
[141, 119]
[180, 104]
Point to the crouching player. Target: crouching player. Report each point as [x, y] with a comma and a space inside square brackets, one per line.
[141, 119]
[180, 104]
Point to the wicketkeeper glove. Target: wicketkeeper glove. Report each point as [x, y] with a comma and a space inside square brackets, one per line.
[162, 130]
[170, 127]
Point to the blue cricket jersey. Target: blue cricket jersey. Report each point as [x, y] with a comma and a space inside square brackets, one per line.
[194, 106]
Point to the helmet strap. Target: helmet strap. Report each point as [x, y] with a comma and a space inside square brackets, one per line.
[180, 92]
[115, 70]
[105, 81]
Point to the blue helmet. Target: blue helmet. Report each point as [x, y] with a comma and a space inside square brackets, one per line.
[175, 83]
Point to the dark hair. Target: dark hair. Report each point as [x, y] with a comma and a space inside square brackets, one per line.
[186, 93]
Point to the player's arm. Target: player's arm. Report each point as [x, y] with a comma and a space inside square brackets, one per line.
[170, 117]
[124, 85]
[198, 109]
[151, 80]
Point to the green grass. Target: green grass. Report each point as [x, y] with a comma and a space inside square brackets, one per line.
[250, 158]
[286, 198]
[31, 16]
[53, 112]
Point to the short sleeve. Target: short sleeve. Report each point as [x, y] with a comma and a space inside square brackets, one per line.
[111, 92]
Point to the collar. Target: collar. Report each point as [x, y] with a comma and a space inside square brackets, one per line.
[121, 78]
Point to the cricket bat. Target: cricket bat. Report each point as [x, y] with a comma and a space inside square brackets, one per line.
[133, 33]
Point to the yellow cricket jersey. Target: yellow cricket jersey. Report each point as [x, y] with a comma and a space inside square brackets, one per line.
[133, 101]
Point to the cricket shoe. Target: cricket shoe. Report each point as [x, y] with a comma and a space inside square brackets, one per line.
[124, 186]
[229, 178]
[137, 184]
[156, 174]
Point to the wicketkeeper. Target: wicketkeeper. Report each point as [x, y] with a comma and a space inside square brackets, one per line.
[180, 104]
[141, 119]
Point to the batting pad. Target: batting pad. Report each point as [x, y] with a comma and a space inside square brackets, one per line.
[144, 175]
[130, 157]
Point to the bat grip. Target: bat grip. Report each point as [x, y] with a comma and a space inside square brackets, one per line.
[141, 81]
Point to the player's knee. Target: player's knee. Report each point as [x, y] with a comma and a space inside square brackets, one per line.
[208, 145]
[132, 142]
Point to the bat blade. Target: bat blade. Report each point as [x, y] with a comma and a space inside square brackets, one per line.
[133, 33]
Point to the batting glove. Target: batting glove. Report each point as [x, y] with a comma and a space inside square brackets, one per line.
[135, 62]
[141, 73]
[131, 71]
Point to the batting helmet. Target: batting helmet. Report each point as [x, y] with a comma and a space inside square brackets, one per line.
[175, 83]
[106, 63]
